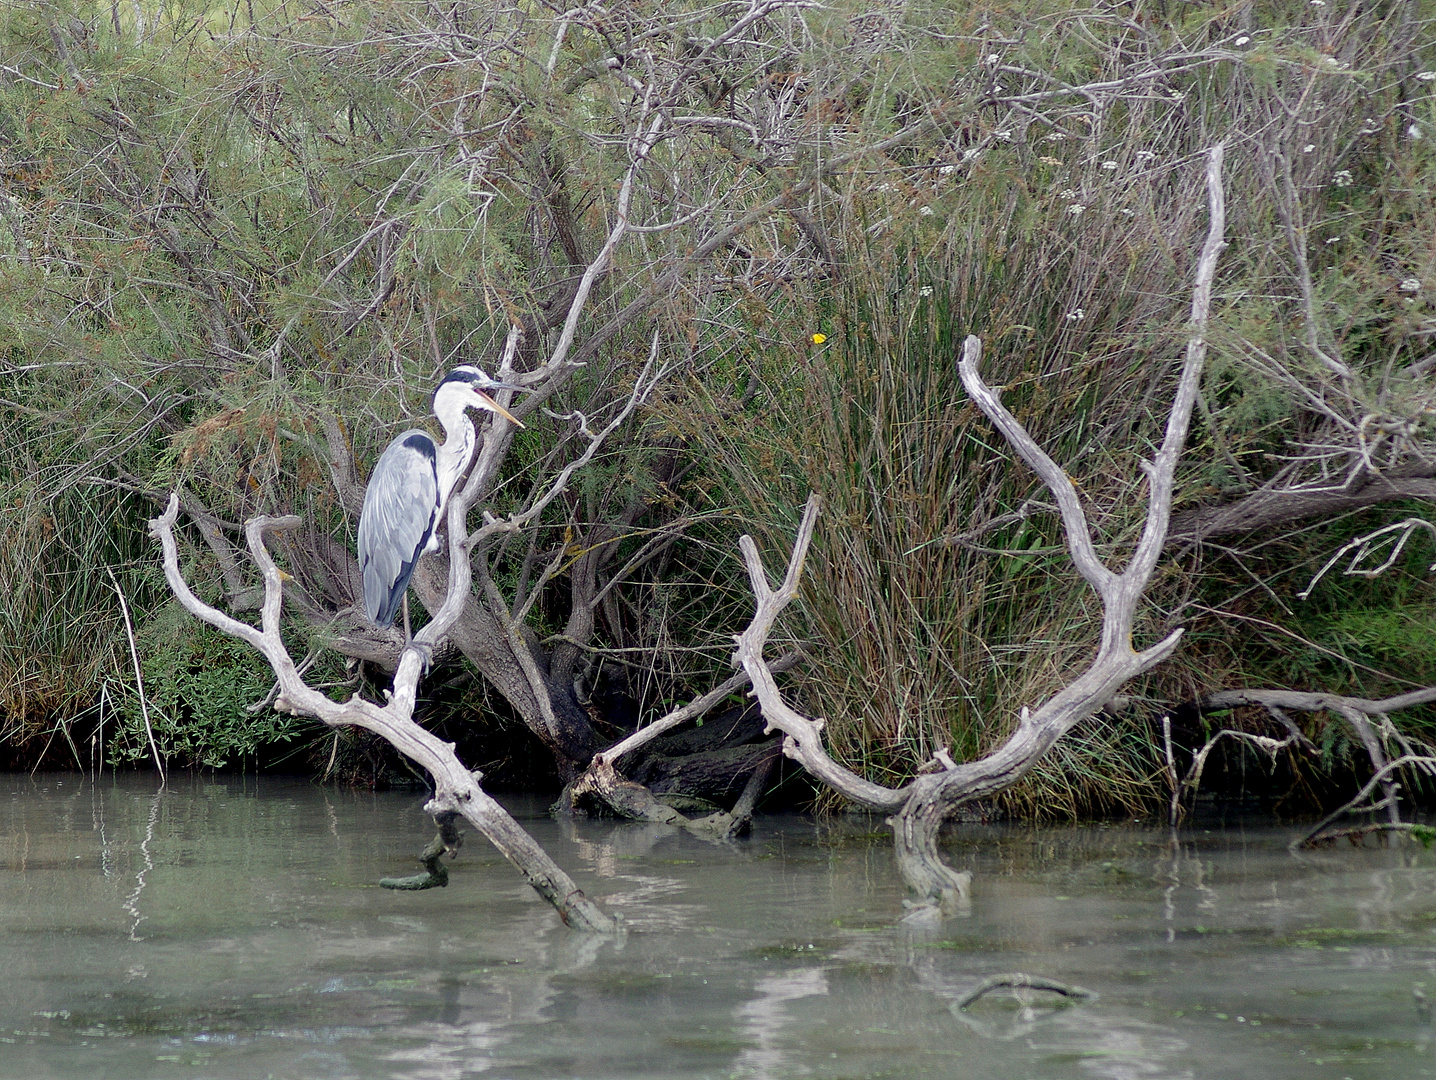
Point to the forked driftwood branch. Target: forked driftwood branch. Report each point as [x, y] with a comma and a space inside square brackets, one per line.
[1368, 718]
[924, 804]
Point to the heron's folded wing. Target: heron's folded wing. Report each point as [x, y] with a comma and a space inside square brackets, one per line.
[396, 522]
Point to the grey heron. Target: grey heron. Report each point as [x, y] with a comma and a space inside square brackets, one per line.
[409, 490]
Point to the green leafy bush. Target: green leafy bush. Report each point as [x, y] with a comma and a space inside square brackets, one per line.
[199, 686]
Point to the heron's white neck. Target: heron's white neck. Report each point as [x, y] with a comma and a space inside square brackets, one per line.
[453, 456]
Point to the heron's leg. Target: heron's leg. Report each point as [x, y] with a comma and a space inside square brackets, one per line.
[425, 652]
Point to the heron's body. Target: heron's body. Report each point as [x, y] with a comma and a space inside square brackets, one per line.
[409, 491]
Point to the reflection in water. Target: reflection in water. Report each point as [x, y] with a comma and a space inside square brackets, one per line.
[132, 901]
[763, 1018]
[268, 950]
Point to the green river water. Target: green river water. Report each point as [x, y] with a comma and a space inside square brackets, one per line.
[232, 928]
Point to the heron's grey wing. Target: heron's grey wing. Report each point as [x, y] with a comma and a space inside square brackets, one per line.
[396, 522]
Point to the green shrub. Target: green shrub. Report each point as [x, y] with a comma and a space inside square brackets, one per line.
[199, 686]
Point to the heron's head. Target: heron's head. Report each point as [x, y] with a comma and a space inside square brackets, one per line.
[468, 386]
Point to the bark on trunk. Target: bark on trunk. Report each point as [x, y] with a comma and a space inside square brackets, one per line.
[1268, 509]
[481, 637]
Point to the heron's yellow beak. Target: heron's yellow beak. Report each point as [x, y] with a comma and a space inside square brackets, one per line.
[489, 403]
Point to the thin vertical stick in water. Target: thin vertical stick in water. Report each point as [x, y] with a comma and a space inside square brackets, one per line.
[139, 678]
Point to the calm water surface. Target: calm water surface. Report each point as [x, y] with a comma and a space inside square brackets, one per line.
[233, 929]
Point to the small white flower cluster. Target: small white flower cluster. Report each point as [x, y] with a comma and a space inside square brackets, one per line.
[925, 211]
[947, 170]
[1075, 209]
[1342, 178]
[1076, 315]
[1308, 148]
[1410, 284]
[1145, 155]
[1109, 164]
[926, 290]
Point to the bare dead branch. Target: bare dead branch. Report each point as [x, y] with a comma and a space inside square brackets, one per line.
[1362, 546]
[1193, 780]
[803, 737]
[456, 789]
[700, 706]
[925, 803]
[1357, 833]
[934, 797]
[1282, 505]
[1303, 701]
[139, 676]
[1380, 777]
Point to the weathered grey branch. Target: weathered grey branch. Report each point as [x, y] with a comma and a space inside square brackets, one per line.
[935, 796]
[1355, 711]
[633, 800]
[695, 708]
[1362, 546]
[1303, 701]
[803, 737]
[1275, 506]
[1380, 777]
[341, 464]
[1193, 779]
[456, 789]
[931, 797]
